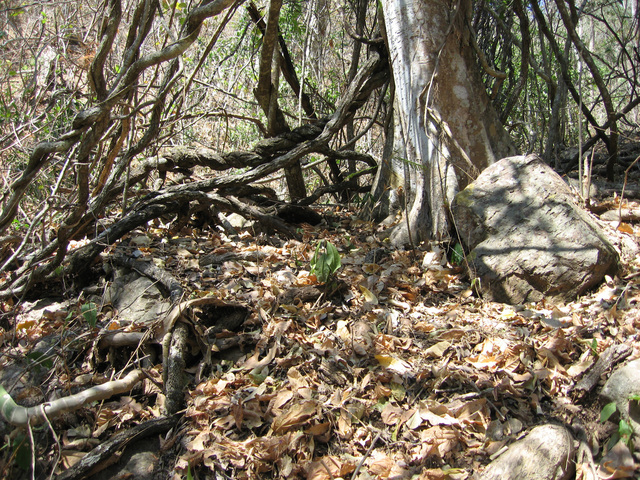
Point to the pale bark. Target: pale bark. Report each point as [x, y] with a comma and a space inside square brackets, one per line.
[450, 131]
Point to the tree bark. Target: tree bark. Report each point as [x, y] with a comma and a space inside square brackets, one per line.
[267, 95]
[450, 131]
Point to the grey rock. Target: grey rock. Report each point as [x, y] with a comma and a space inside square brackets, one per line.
[622, 384]
[136, 298]
[546, 453]
[140, 461]
[526, 237]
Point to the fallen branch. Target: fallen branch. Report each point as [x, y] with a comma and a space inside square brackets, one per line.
[22, 416]
[174, 366]
[610, 357]
[101, 456]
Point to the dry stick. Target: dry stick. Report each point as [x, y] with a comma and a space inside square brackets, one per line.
[56, 438]
[588, 193]
[353, 141]
[406, 216]
[38, 217]
[207, 50]
[324, 465]
[366, 455]
[624, 185]
[33, 453]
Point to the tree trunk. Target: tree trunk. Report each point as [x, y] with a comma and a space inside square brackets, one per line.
[448, 129]
[267, 95]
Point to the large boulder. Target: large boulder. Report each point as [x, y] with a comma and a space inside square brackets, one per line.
[526, 236]
[622, 387]
[546, 453]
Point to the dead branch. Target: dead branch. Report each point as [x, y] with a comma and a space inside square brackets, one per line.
[99, 458]
[269, 156]
[23, 416]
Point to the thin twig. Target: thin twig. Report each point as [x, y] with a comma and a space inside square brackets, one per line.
[366, 455]
[624, 185]
[55, 437]
[33, 452]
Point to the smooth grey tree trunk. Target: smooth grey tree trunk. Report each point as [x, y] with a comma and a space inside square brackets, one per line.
[446, 127]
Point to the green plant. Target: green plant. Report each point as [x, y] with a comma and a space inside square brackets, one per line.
[325, 261]
[90, 313]
[40, 360]
[20, 451]
[625, 431]
[457, 254]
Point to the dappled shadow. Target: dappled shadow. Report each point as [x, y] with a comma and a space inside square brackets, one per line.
[525, 235]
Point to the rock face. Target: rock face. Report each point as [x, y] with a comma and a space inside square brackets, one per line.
[526, 237]
[136, 298]
[546, 453]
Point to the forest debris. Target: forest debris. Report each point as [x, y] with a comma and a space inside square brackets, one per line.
[219, 259]
[101, 456]
[623, 215]
[610, 357]
[617, 463]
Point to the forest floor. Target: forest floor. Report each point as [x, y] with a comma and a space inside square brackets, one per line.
[400, 371]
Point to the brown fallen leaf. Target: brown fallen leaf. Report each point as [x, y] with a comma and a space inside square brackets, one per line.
[296, 416]
[253, 362]
[438, 349]
[617, 463]
[329, 467]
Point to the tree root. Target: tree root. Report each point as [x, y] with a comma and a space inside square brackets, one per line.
[102, 456]
[23, 416]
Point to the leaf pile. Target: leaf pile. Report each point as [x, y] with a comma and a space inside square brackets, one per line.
[395, 371]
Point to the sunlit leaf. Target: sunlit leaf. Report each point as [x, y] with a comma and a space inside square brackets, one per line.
[608, 410]
[369, 297]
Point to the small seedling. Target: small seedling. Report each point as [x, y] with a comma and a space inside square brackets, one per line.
[90, 313]
[325, 261]
[625, 431]
[457, 254]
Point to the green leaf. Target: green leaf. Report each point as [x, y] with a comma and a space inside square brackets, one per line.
[624, 429]
[457, 255]
[324, 264]
[608, 410]
[635, 398]
[39, 358]
[333, 257]
[90, 313]
[22, 450]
